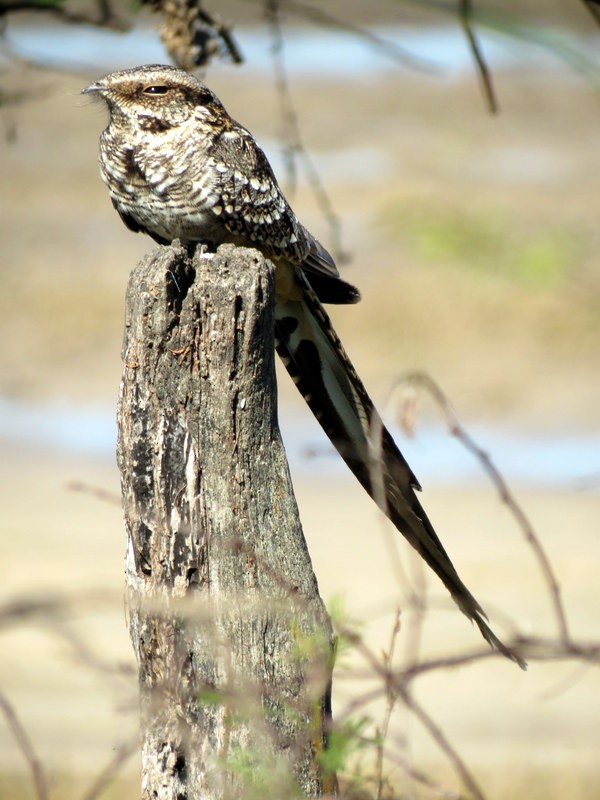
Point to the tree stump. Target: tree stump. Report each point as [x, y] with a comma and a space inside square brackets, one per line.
[232, 639]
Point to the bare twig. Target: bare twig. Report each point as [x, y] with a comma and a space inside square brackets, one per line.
[52, 611]
[31, 606]
[295, 147]
[26, 748]
[431, 387]
[48, 606]
[391, 697]
[98, 492]
[466, 20]
[224, 33]
[376, 472]
[389, 49]
[401, 689]
[420, 777]
[593, 6]
[413, 626]
[442, 741]
[109, 773]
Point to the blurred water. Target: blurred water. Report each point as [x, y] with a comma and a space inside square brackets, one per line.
[569, 460]
[313, 51]
[90, 431]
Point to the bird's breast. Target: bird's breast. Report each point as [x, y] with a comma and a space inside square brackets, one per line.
[165, 183]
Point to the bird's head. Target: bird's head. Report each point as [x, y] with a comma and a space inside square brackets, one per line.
[154, 97]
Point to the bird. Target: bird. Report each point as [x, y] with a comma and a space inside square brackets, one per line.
[178, 166]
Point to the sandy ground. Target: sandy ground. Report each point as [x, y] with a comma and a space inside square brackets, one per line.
[69, 672]
[514, 349]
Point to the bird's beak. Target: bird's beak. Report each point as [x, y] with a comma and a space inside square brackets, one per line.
[97, 86]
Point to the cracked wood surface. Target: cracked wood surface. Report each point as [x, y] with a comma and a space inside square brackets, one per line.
[231, 636]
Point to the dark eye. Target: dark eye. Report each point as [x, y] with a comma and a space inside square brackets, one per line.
[155, 89]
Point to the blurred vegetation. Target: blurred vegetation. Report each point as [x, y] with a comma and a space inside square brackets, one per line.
[490, 245]
[537, 783]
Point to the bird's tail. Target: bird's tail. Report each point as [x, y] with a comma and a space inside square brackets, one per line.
[315, 358]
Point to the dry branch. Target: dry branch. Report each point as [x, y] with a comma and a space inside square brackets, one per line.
[26, 747]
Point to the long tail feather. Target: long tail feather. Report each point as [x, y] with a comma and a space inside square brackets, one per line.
[315, 358]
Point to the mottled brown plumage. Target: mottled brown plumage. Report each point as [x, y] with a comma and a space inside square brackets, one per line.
[177, 166]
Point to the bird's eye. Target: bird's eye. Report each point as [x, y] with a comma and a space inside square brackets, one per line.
[155, 88]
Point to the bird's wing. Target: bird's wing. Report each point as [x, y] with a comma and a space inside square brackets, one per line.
[320, 269]
[315, 358]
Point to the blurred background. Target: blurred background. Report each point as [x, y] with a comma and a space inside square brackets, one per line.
[474, 239]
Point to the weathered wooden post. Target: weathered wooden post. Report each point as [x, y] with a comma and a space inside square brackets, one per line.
[231, 636]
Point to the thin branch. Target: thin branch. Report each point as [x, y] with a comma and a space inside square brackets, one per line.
[431, 387]
[109, 773]
[295, 147]
[593, 6]
[377, 478]
[421, 777]
[31, 607]
[535, 648]
[391, 697]
[44, 606]
[466, 20]
[415, 621]
[104, 495]
[443, 743]
[388, 48]
[52, 612]
[400, 686]
[26, 748]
